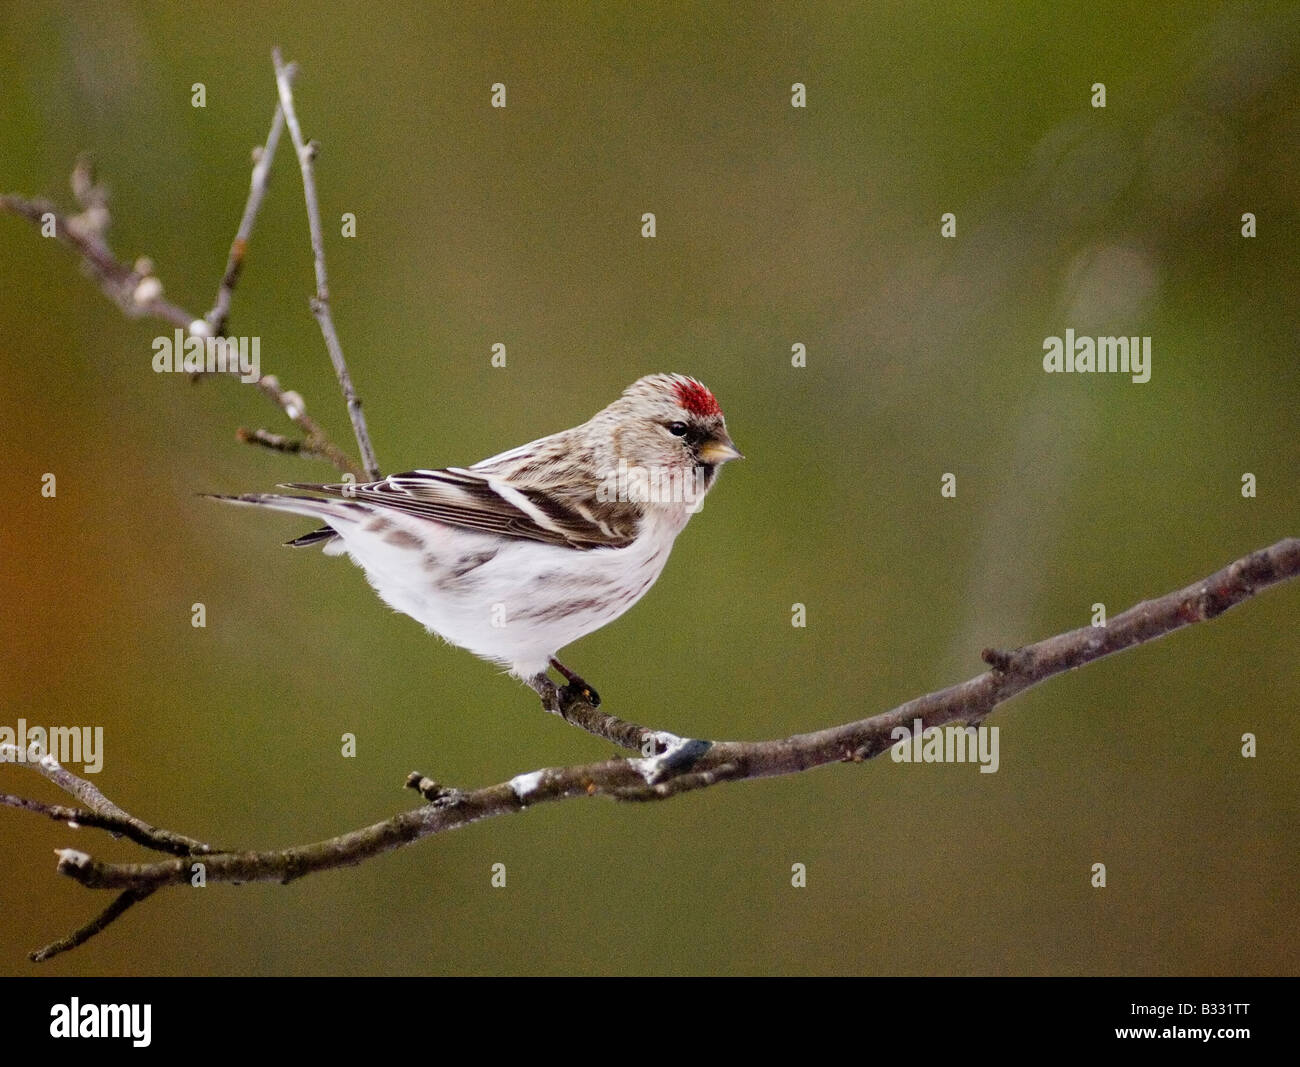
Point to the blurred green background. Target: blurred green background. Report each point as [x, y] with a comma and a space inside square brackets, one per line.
[775, 226]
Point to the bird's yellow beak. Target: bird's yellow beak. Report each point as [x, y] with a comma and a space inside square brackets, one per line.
[718, 450]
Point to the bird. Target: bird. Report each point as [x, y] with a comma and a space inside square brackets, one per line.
[527, 551]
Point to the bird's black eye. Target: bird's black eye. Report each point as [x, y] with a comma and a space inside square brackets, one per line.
[677, 429]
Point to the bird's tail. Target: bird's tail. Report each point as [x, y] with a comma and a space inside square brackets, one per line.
[332, 512]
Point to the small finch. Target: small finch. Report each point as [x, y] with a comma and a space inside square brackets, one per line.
[523, 553]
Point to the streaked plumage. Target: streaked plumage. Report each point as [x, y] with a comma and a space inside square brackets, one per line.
[523, 553]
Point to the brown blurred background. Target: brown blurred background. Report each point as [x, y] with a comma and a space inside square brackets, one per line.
[775, 226]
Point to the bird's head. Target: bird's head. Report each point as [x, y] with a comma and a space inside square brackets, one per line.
[671, 427]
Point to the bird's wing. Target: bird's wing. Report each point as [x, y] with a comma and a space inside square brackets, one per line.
[491, 503]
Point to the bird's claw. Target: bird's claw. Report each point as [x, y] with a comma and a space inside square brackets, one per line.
[578, 692]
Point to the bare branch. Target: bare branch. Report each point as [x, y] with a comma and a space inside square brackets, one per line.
[321, 303]
[101, 813]
[276, 442]
[114, 911]
[305, 447]
[123, 285]
[316, 443]
[139, 294]
[263, 157]
[688, 765]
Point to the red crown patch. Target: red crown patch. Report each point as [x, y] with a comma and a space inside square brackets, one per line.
[696, 399]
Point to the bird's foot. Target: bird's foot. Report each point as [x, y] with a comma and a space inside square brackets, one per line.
[578, 691]
[562, 699]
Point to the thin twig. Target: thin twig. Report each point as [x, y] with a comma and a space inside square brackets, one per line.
[304, 447]
[257, 186]
[101, 812]
[321, 302]
[123, 285]
[79, 937]
[276, 442]
[316, 442]
[120, 827]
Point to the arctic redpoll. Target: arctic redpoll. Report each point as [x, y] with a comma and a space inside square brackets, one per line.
[523, 553]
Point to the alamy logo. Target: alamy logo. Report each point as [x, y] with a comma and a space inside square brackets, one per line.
[67, 744]
[946, 744]
[1098, 355]
[193, 354]
[102, 1020]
